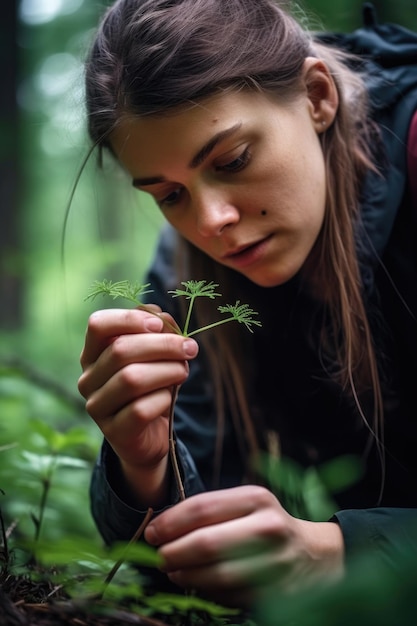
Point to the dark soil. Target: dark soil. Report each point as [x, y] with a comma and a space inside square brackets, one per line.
[24, 602]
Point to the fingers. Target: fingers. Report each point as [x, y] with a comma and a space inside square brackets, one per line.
[139, 437]
[241, 538]
[207, 509]
[104, 326]
[125, 352]
[118, 340]
[136, 380]
[238, 573]
[223, 540]
[231, 543]
[131, 364]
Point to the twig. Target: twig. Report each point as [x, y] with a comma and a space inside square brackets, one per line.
[172, 445]
[54, 591]
[122, 559]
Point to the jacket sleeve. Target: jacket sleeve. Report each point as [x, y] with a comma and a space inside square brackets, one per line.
[386, 534]
[115, 519]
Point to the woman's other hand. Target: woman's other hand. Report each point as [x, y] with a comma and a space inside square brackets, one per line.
[226, 544]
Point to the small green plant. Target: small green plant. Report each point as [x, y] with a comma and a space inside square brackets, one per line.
[193, 289]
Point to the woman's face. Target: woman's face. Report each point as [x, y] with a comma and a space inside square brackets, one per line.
[239, 175]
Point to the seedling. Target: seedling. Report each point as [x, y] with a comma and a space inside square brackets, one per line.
[193, 289]
[241, 313]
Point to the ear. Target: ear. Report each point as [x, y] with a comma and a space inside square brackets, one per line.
[321, 92]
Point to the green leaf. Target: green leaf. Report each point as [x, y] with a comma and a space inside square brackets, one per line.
[168, 603]
[56, 440]
[77, 549]
[341, 472]
[242, 313]
[196, 289]
[43, 463]
[48, 434]
[121, 289]
[139, 553]
[40, 463]
[71, 462]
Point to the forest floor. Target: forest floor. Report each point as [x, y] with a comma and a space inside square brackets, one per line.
[24, 602]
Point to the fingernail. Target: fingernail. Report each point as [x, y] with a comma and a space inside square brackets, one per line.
[190, 348]
[153, 324]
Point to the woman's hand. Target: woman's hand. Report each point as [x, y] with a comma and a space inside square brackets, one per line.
[228, 543]
[130, 365]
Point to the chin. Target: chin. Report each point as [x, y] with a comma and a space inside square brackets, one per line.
[271, 280]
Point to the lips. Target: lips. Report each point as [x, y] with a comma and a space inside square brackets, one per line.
[236, 251]
[247, 253]
[243, 249]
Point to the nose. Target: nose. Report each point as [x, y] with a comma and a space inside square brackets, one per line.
[214, 211]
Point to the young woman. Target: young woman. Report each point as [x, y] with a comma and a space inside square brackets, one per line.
[257, 143]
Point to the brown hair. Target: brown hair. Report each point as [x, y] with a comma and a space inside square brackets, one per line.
[150, 57]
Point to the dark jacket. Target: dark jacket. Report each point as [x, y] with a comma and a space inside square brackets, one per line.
[315, 420]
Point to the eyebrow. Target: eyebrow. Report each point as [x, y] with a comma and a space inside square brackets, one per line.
[197, 160]
[211, 144]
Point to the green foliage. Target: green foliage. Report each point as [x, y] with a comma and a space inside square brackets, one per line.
[122, 289]
[307, 493]
[45, 471]
[241, 313]
[194, 289]
[46, 445]
[171, 603]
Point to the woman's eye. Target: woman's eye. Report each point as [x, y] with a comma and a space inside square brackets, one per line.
[237, 164]
[171, 199]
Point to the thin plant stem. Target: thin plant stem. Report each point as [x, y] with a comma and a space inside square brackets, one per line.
[45, 490]
[172, 444]
[188, 318]
[46, 486]
[213, 325]
[122, 559]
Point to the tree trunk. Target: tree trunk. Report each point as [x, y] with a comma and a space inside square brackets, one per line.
[10, 258]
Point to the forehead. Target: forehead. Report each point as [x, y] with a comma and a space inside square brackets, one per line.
[196, 118]
[183, 121]
[183, 132]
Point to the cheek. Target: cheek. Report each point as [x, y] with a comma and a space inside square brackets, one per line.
[308, 183]
[291, 176]
[297, 197]
[316, 188]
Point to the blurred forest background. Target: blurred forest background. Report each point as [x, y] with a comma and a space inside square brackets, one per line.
[111, 229]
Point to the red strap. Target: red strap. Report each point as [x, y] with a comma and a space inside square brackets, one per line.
[412, 160]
